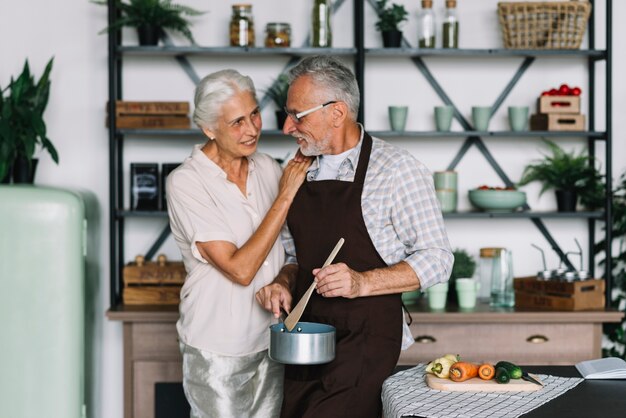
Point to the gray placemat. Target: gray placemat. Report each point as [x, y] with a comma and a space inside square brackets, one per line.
[406, 394]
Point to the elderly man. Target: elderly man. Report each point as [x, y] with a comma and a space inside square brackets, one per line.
[382, 201]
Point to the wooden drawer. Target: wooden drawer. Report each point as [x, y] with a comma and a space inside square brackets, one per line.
[529, 344]
[155, 341]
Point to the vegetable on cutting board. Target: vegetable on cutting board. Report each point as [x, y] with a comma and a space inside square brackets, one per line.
[502, 375]
[486, 371]
[514, 371]
[462, 371]
[440, 367]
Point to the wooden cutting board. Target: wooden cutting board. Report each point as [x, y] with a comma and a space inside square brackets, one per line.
[478, 385]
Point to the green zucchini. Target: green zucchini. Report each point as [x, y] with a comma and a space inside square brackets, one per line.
[502, 375]
[515, 372]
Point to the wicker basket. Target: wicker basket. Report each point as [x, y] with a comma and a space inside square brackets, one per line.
[543, 25]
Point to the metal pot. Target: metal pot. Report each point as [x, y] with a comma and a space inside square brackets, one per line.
[307, 343]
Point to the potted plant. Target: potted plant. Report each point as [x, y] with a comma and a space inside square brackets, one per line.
[22, 126]
[389, 19]
[278, 93]
[571, 175]
[151, 18]
[464, 266]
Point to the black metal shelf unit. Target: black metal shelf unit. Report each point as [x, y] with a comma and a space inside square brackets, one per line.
[116, 53]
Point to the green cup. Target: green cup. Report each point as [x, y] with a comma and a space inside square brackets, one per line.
[437, 296]
[445, 180]
[443, 118]
[447, 199]
[481, 116]
[397, 117]
[466, 291]
[518, 118]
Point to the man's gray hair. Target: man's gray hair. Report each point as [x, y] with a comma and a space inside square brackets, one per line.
[213, 91]
[333, 77]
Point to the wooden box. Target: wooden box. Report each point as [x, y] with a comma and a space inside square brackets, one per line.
[151, 122]
[549, 295]
[153, 283]
[558, 104]
[151, 115]
[557, 122]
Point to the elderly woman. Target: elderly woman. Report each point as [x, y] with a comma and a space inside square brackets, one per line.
[227, 204]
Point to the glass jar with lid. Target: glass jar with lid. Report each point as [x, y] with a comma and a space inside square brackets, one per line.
[242, 25]
[426, 25]
[277, 34]
[321, 28]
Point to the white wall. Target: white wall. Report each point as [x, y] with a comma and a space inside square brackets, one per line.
[67, 30]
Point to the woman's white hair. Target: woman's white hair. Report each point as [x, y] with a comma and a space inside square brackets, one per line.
[213, 91]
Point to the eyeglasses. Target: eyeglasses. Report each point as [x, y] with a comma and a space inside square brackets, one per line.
[297, 117]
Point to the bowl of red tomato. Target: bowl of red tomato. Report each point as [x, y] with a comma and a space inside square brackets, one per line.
[497, 199]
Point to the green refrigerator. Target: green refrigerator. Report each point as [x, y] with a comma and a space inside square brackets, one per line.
[42, 284]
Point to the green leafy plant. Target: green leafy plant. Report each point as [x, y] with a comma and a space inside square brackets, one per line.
[390, 16]
[160, 13]
[566, 171]
[278, 91]
[464, 265]
[614, 332]
[22, 126]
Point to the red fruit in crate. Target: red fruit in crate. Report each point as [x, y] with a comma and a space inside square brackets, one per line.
[545, 93]
[576, 91]
[553, 92]
[564, 90]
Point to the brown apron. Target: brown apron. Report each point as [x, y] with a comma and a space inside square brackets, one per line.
[369, 329]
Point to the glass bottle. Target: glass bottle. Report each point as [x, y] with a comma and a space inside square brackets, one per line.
[321, 30]
[242, 25]
[450, 26]
[485, 265]
[277, 35]
[502, 294]
[426, 25]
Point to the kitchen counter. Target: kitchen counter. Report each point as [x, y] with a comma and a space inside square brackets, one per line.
[527, 337]
[590, 398]
[151, 353]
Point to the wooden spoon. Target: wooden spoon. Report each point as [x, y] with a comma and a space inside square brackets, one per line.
[293, 318]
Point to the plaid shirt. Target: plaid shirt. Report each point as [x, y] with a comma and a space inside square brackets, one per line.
[400, 209]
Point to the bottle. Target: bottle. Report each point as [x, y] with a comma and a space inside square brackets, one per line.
[502, 294]
[485, 265]
[277, 35]
[450, 26]
[426, 25]
[242, 25]
[321, 31]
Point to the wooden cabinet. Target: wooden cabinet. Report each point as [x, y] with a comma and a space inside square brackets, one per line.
[151, 355]
[531, 338]
[151, 352]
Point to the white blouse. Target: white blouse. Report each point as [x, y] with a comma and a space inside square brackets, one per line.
[216, 314]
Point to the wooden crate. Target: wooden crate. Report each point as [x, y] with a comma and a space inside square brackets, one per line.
[549, 295]
[558, 104]
[557, 122]
[153, 283]
[123, 107]
[151, 122]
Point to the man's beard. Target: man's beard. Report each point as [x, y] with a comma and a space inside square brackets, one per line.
[314, 149]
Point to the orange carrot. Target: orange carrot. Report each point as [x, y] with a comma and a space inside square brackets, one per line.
[486, 371]
[461, 371]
